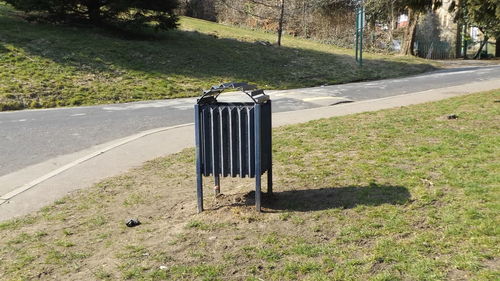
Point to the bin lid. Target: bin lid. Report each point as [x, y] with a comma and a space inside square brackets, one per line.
[210, 96]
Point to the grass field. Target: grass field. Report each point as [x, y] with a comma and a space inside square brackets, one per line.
[401, 194]
[45, 65]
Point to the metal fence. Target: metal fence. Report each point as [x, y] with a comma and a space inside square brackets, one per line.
[436, 50]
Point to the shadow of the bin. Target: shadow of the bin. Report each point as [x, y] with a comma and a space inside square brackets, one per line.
[334, 197]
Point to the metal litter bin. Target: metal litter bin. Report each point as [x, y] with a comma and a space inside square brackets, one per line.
[233, 138]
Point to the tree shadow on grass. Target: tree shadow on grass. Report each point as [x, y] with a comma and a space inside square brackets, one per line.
[190, 61]
[3, 49]
[335, 197]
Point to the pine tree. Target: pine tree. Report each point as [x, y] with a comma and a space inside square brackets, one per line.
[157, 13]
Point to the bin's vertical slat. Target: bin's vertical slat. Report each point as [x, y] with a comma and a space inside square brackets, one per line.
[214, 141]
[266, 131]
[206, 136]
[249, 141]
[221, 141]
[216, 116]
[242, 128]
[233, 144]
[227, 141]
[202, 137]
[258, 173]
[198, 141]
[269, 147]
[251, 145]
[224, 140]
[239, 143]
[263, 141]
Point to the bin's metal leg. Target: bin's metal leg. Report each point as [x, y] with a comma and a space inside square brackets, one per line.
[270, 181]
[217, 185]
[257, 193]
[199, 191]
[199, 175]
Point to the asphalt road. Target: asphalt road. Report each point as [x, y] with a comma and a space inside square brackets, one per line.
[32, 136]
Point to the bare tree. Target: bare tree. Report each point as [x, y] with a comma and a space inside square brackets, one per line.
[280, 25]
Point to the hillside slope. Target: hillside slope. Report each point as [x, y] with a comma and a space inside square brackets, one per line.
[44, 65]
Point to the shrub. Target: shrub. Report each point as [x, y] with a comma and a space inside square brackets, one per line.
[121, 13]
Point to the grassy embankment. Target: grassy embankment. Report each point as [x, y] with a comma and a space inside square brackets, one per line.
[401, 194]
[44, 65]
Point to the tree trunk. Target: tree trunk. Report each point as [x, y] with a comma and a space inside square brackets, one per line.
[478, 53]
[458, 42]
[394, 23]
[410, 32]
[497, 47]
[280, 25]
[94, 11]
[304, 19]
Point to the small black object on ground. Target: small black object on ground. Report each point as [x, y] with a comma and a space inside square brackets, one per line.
[133, 222]
[452, 117]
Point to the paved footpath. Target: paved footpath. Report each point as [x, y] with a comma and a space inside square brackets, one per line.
[31, 188]
[29, 137]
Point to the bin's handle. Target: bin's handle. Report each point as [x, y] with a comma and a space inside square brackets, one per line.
[210, 96]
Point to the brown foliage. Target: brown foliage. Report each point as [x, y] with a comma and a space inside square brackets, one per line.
[302, 18]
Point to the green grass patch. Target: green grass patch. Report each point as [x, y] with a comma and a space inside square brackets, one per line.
[45, 65]
[400, 194]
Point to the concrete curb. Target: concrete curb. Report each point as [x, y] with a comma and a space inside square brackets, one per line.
[31, 188]
[85, 158]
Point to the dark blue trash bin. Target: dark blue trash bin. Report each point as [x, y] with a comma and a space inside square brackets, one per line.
[233, 139]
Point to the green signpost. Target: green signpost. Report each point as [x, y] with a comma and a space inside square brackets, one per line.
[360, 24]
